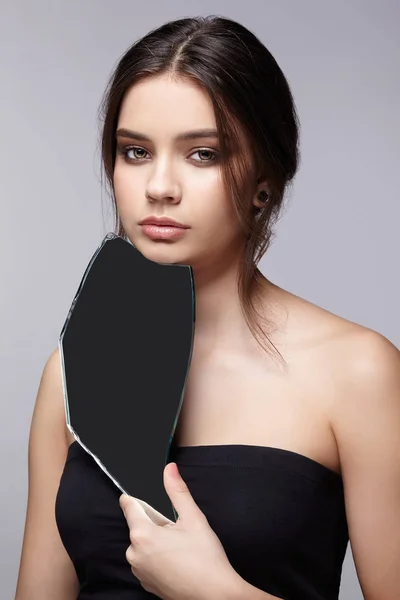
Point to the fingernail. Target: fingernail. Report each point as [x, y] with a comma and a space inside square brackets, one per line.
[173, 469]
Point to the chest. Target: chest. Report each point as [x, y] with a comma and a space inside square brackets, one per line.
[278, 517]
[231, 399]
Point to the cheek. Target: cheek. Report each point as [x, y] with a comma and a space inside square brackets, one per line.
[120, 180]
[126, 191]
[216, 222]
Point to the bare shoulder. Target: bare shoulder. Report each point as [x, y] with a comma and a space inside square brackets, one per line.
[49, 407]
[361, 355]
[345, 358]
[313, 328]
[356, 365]
[367, 370]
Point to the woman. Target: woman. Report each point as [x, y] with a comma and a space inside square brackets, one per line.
[287, 444]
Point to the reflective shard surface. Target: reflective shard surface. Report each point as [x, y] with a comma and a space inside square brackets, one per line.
[125, 349]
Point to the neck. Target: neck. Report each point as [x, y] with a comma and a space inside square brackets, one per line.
[220, 322]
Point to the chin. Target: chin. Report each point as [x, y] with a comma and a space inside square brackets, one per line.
[163, 251]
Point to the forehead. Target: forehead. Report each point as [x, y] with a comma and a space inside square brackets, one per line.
[161, 104]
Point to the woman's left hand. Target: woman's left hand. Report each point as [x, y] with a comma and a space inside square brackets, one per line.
[177, 561]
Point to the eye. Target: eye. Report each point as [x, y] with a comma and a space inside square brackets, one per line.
[206, 151]
[124, 152]
[210, 155]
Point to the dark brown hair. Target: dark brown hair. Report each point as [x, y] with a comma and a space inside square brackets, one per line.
[252, 103]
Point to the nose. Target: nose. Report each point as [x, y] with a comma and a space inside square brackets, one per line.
[163, 188]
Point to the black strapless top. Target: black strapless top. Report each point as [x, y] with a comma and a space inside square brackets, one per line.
[280, 517]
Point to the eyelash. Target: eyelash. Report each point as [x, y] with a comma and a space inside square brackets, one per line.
[124, 153]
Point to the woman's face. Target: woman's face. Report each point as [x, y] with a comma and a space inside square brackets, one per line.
[160, 174]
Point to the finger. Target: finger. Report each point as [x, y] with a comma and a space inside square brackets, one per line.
[157, 517]
[181, 497]
[134, 513]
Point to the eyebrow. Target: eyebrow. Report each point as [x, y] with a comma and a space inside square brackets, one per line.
[186, 135]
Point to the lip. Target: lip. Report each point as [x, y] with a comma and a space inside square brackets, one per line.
[163, 222]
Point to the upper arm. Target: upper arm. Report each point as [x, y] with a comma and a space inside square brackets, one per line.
[46, 571]
[366, 423]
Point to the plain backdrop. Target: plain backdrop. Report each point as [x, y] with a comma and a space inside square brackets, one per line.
[337, 243]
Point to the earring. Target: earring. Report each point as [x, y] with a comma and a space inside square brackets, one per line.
[262, 198]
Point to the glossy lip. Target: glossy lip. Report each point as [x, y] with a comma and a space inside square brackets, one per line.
[162, 222]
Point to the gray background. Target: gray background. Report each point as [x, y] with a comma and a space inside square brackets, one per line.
[337, 243]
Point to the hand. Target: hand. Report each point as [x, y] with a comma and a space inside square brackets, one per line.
[176, 561]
